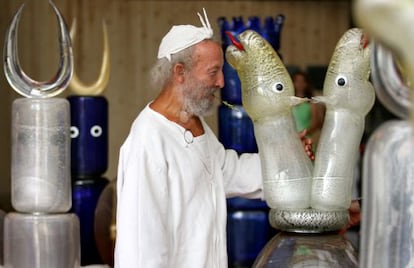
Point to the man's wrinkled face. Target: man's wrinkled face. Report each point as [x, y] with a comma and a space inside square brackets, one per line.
[204, 80]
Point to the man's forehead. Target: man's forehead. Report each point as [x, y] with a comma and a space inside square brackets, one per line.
[207, 49]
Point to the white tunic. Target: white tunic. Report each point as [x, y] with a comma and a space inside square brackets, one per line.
[172, 189]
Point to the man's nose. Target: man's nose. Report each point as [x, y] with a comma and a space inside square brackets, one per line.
[220, 80]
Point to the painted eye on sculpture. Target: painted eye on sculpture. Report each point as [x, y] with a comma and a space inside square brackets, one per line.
[74, 132]
[341, 81]
[278, 87]
[96, 131]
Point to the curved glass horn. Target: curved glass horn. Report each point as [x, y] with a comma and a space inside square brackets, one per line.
[22, 83]
[99, 85]
[389, 83]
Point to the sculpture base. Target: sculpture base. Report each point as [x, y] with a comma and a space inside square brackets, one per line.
[288, 250]
[41, 240]
[308, 220]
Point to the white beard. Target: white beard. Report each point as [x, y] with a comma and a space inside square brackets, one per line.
[197, 97]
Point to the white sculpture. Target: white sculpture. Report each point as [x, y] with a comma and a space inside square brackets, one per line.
[268, 95]
[348, 96]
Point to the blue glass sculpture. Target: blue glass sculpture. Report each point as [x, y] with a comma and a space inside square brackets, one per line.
[85, 195]
[89, 132]
[236, 129]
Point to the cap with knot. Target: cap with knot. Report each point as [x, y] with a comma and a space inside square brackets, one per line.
[181, 37]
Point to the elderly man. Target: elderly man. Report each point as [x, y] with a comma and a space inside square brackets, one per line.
[174, 175]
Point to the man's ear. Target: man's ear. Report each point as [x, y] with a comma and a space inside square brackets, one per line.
[179, 71]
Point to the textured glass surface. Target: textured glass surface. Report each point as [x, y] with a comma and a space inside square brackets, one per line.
[290, 181]
[41, 155]
[270, 29]
[308, 220]
[290, 250]
[387, 233]
[267, 94]
[348, 96]
[41, 241]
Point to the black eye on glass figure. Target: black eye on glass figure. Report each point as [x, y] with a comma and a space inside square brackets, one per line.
[341, 81]
[74, 132]
[96, 131]
[278, 87]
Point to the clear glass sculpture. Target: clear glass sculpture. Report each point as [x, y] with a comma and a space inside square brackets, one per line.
[268, 95]
[349, 96]
[41, 241]
[41, 155]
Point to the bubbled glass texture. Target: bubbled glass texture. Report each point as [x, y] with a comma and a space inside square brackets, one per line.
[41, 155]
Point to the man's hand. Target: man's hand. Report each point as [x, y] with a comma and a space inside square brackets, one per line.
[307, 144]
[354, 216]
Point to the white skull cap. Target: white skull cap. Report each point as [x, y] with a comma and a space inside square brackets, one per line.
[181, 37]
